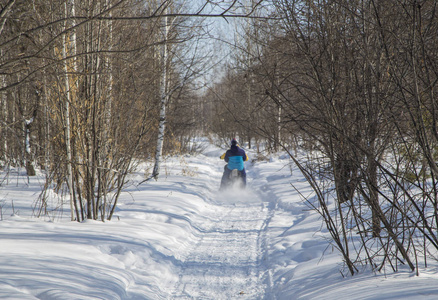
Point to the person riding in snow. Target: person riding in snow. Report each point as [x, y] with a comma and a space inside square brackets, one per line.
[235, 157]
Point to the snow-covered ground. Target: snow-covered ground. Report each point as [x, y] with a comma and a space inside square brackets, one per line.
[179, 238]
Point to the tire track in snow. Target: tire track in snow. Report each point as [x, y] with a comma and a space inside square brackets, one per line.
[226, 261]
[265, 243]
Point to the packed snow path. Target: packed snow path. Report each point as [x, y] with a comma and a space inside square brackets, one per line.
[226, 261]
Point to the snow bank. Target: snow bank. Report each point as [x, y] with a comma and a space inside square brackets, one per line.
[179, 238]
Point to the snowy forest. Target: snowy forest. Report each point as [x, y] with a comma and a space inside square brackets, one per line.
[92, 89]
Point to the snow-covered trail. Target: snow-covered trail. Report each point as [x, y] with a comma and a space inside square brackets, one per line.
[225, 258]
[225, 263]
[179, 238]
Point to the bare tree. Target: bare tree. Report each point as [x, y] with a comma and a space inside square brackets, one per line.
[348, 79]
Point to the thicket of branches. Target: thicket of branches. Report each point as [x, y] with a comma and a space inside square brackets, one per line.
[81, 84]
[355, 81]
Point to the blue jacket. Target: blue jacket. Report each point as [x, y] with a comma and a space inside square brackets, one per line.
[235, 158]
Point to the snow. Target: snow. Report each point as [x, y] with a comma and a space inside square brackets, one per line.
[179, 238]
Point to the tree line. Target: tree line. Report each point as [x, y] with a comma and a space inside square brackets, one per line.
[354, 83]
[81, 85]
[91, 88]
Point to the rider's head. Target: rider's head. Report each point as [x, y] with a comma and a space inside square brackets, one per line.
[233, 142]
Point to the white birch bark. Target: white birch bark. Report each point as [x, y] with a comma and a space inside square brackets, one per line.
[109, 65]
[75, 84]
[27, 124]
[104, 160]
[4, 112]
[67, 129]
[164, 99]
[47, 125]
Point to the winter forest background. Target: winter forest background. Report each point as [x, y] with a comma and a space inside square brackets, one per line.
[91, 88]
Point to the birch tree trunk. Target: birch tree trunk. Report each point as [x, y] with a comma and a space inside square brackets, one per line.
[67, 129]
[30, 170]
[164, 95]
[3, 101]
[3, 124]
[105, 177]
